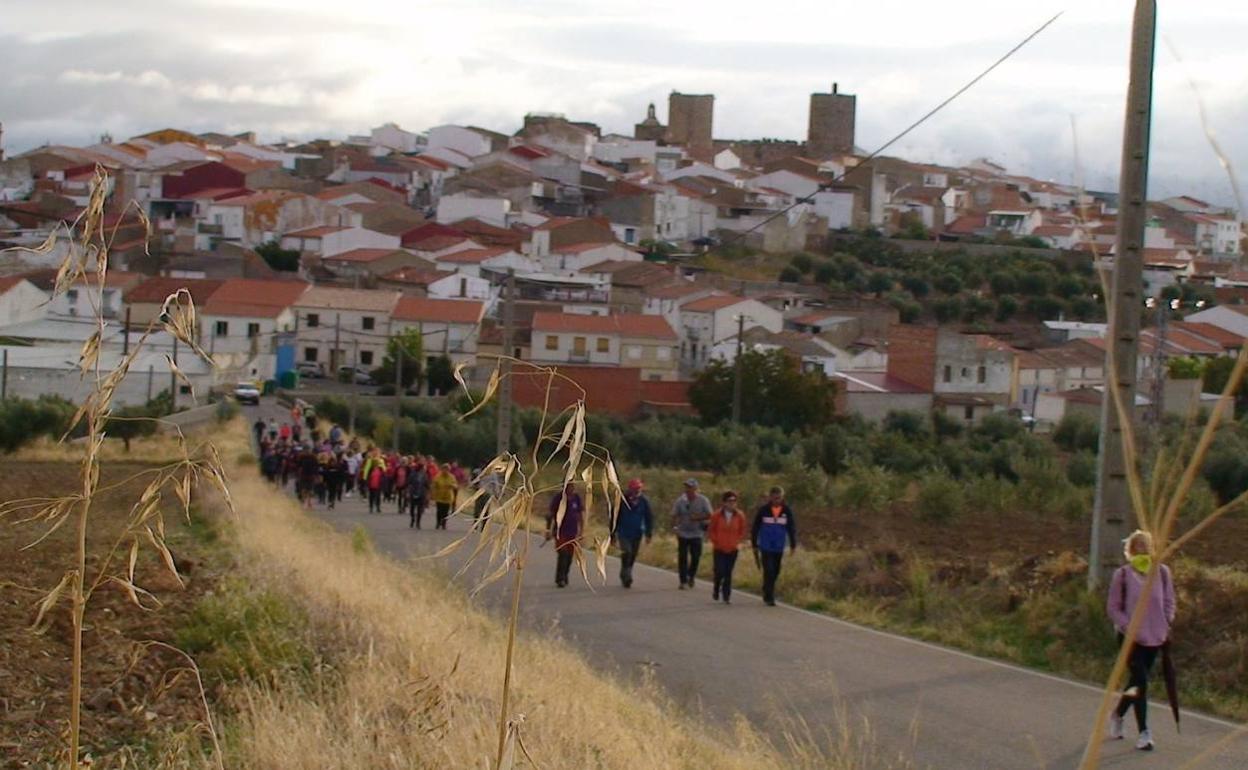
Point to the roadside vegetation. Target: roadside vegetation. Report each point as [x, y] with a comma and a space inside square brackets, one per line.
[971, 537]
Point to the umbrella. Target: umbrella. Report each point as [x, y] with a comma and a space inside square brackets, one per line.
[1172, 685]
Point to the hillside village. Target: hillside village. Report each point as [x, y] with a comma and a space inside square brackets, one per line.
[308, 256]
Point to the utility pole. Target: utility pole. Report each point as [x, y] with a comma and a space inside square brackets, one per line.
[4, 376]
[151, 376]
[398, 393]
[1112, 509]
[736, 371]
[503, 443]
[334, 357]
[125, 335]
[173, 379]
[356, 360]
[1160, 361]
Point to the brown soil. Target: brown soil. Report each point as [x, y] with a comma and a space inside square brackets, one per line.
[999, 539]
[131, 692]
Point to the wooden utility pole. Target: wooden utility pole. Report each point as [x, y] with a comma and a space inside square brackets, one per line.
[1112, 510]
[503, 442]
[737, 368]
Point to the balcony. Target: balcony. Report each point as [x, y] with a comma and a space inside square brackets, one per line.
[578, 358]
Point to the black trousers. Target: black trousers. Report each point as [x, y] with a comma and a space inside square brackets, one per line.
[771, 570]
[444, 512]
[1139, 664]
[415, 509]
[374, 500]
[629, 546]
[333, 490]
[688, 555]
[563, 564]
[724, 563]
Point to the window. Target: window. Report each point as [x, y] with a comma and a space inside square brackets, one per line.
[968, 412]
[634, 352]
[366, 357]
[948, 374]
[314, 319]
[253, 330]
[369, 323]
[223, 329]
[630, 235]
[965, 372]
[983, 374]
[578, 345]
[72, 296]
[463, 287]
[552, 342]
[604, 345]
[665, 354]
[309, 354]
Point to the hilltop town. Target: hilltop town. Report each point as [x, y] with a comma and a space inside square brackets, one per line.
[629, 257]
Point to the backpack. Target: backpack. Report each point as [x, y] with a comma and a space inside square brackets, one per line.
[374, 478]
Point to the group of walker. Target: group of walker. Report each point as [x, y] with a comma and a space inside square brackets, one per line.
[412, 481]
[694, 520]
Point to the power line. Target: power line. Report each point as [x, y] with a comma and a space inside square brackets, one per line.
[876, 153]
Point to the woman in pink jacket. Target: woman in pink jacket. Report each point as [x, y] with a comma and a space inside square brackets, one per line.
[1154, 630]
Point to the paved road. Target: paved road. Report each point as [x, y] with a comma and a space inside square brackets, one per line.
[942, 708]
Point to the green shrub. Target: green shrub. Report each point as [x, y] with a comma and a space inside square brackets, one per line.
[1081, 469]
[24, 420]
[1077, 432]
[867, 488]
[940, 498]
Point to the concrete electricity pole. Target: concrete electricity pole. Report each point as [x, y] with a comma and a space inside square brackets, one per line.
[736, 374]
[1112, 509]
[503, 443]
[398, 394]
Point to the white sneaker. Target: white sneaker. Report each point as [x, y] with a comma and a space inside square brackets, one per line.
[1115, 727]
[1145, 741]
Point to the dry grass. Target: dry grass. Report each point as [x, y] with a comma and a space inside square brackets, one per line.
[417, 681]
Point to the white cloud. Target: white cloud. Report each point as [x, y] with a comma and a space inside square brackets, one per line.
[313, 67]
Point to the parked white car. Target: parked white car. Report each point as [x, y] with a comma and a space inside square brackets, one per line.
[247, 393]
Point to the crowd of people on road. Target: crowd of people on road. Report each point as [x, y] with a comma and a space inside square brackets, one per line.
[329, 467]
[693, 520]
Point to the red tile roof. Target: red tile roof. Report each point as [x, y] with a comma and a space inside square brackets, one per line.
[554, 223]
[155, 290]
[436, 242]
[416, 276]
[251, 297]
[421, 309]
[577, 248]
[623, 324]
[9, 281]
[712, 303]
[362, 255]
[315, 232]
[473, 256]
[428, 230]
[1226, 339]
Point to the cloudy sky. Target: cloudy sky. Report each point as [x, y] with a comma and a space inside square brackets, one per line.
[73, 69]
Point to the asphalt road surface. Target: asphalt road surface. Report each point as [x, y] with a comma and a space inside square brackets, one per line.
[939, 707]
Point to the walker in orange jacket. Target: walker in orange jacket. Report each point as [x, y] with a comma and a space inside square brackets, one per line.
[726, 534]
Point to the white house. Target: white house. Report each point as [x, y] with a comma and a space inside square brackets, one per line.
[462, 286]
[390, 136]
[786, 181]
[330, 240]
[475, 262]
[460, 139]
[447, 326]
[20, 300]
[837, 206]
[727, 160]
[241, 320]
[458, 207]
[574, 257]
[627, 339]
[338, 326]
[667, 300]
[1231, 318]
[621, 149]
[712, 319]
